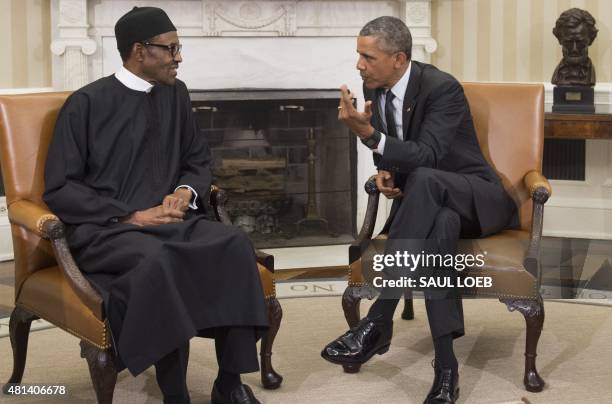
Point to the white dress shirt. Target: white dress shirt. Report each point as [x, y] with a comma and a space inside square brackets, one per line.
[133, 82]
[399, 91]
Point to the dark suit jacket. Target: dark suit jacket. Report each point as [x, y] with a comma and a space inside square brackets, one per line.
[438, 132]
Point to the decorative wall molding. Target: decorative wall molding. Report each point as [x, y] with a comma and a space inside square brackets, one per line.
[71, 43]
[417, 13]
[245, 18]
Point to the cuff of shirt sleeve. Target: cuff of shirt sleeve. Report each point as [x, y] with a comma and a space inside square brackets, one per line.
[194, 196]
[380, 149]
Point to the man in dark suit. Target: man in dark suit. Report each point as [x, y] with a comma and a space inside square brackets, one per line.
[417, 122]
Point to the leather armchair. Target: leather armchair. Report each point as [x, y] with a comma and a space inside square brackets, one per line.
[48, 283]
[509, 121]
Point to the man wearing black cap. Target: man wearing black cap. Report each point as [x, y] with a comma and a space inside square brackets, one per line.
[128, 172]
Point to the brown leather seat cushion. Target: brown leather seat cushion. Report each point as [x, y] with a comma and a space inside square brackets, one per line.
[267, 281]
[503, 263]
[47, 294]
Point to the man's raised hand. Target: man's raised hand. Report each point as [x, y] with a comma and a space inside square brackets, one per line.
[358, 122]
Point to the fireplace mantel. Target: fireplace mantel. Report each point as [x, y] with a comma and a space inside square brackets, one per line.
[83, 37]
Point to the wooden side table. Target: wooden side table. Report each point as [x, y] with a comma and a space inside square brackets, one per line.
[577, 126]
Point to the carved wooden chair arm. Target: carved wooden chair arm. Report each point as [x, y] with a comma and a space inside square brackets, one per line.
[372, 209]
[367, 228]
[539, 190]
[538, 186]
[40, 221]
[31, 217]
[218, 198]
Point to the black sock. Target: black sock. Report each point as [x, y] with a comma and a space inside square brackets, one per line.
[382, 311]
[226, 381]
[445, 357]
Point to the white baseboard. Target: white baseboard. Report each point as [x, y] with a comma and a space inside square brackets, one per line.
[577, 221]
[589, 235]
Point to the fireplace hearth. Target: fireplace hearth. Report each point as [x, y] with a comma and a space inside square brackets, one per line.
[286, 162]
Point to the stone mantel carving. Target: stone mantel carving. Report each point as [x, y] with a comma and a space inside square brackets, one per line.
[72, 43]
[244, 18]
[83, 32]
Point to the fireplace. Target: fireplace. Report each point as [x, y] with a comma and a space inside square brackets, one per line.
[286, 162]
[266, 44]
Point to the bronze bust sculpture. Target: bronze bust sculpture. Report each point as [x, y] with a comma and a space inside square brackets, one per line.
[575, 30]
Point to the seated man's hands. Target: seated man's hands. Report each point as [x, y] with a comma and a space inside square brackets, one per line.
[157, 215]
[172, 210]
[385, 183]
[178, 200]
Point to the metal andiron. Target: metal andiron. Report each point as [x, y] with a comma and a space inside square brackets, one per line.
[312, 212]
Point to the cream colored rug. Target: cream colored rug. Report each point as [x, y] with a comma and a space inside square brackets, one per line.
[575, 358]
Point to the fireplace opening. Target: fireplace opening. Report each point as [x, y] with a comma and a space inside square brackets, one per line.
[287, 164]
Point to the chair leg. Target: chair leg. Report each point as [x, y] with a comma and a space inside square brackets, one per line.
[102, 371]
[269, 378]
[408, 312]
[19, 331]
[533, 311]
[350, 304]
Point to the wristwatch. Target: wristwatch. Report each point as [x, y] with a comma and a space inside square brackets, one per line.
[372, 141]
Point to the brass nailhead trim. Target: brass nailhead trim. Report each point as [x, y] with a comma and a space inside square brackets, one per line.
[42, 220]
[273, 294]
[105, 345]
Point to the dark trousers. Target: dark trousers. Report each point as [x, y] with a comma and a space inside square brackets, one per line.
[437, 205]
[171, 374]
[236, 352]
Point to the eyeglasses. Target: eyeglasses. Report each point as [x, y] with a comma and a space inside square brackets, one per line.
[174, 48]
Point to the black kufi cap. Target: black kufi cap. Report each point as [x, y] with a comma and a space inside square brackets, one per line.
[141, 23]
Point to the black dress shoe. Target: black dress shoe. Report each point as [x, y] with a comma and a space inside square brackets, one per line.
[445, 389]
[360, 343]
[240, 395]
